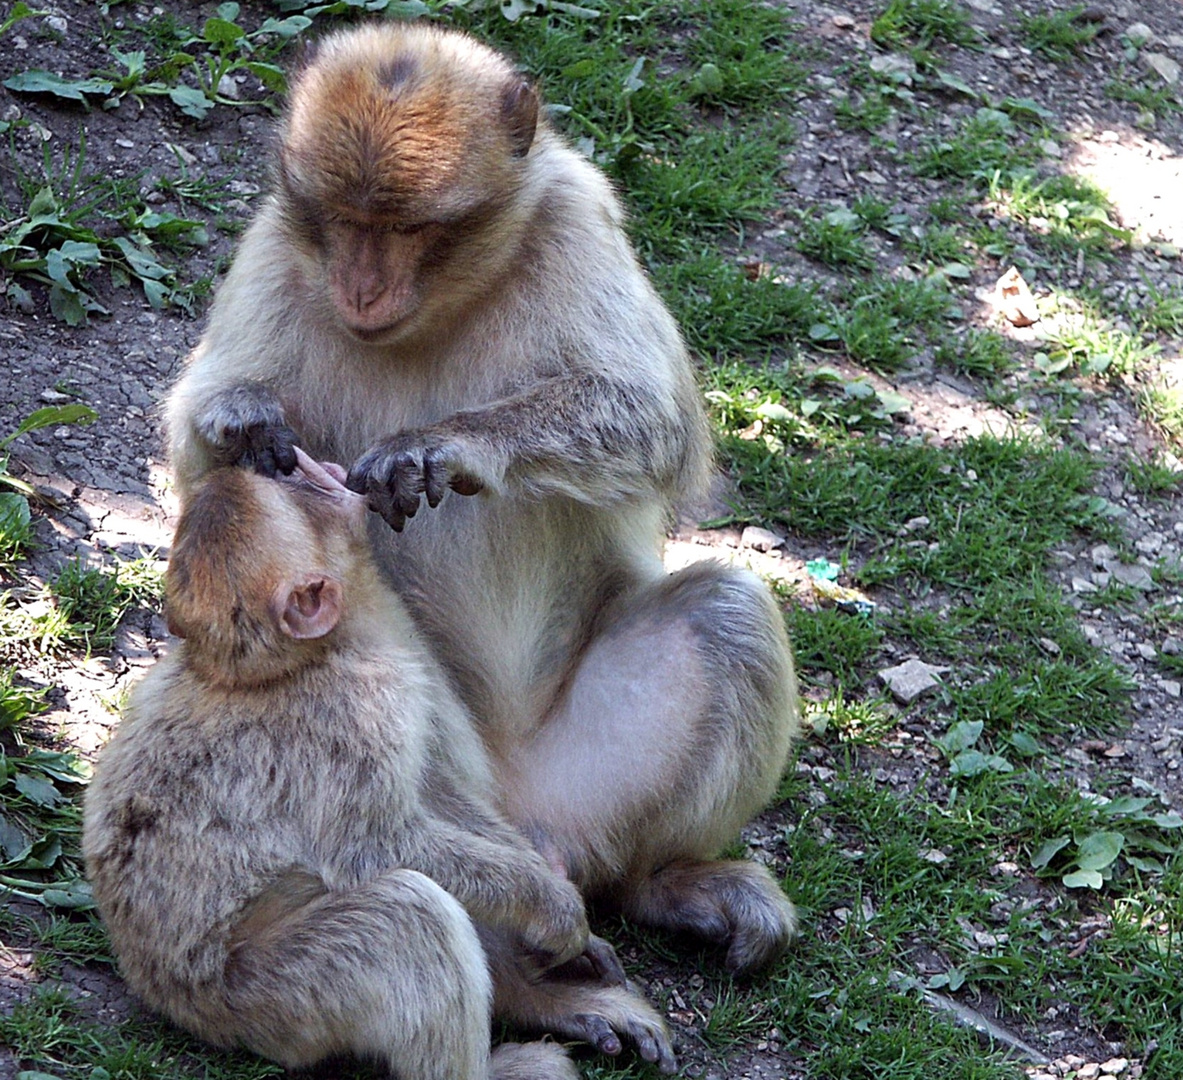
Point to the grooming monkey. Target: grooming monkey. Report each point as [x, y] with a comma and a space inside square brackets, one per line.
[291, 837]
[441, 292]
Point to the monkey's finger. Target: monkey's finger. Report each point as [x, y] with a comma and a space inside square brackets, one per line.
[654, 1046]
[604, 961]
[378, 499]
[436, 475]
[405, 481]
[597, 1031]
[465, 485]
[283, 449]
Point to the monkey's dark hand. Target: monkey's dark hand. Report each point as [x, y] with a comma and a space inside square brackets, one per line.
[244, 426]
[395, 472]
[554, 930]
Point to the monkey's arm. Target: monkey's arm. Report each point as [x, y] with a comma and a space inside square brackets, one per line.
[502, 884]
[590, 437]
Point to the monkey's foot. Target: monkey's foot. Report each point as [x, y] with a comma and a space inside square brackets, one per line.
[736, 904]
[607, 1017]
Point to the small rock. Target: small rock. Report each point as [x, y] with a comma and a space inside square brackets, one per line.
[126, 144]
[1139, 34]
[1171, 646]
[895, 67]
[1101, 554]
[907, 681]
[186, 156]
[1132, 575]
[1147, 651]
[1172, 688]
[1082, 585]
[1163, 66]
[227, 87]
[760, 539]
[1049, 646]
[1115, 1066]
[843, 21]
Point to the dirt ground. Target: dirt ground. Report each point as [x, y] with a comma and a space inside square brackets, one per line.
[105, 487]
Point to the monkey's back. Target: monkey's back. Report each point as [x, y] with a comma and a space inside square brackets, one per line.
[205, 797]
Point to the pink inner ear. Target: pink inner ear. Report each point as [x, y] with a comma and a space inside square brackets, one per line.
[310, 607]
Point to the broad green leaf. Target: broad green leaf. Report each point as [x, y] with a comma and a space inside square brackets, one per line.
[271, 76]
[1025, 744]
[1048, 851]
[222, 32]
[66, 304]
[1099, 850]
[52, 416]
[14, 844]
[75, 895]
[1169, 820]
[44, 202]
[1083, 879]
[960, 736]
[190, 101]
[285, 28]
[37, 789]
[39, 81]
[974, 763]
[14, 516]
[956, 82]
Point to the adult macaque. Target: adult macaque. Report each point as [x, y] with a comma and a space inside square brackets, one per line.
[441, 292]
[291, 837]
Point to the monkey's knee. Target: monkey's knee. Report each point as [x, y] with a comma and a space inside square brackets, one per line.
[392, 970]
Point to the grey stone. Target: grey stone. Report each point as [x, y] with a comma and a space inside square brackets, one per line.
[760, 539]
[907, 681]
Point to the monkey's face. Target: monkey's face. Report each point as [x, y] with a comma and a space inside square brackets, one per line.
[403, 151]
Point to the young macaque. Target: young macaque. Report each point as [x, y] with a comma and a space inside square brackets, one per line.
[292, 836]
[440, 291]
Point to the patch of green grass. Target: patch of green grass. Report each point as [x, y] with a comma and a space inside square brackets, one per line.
[723, 312]
[924, 23]
[836, 239]
[1151, 97]
[1058, 35]
[864, 110]
[985, 143]
[740, 55]
[94, 599]
[981, 353]
[1077, 335]
[1152, 476]
[833, 641]
[49, 1033]
[1163, 310]
[1066, 212]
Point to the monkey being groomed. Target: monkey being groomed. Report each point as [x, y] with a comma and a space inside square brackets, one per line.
[292, 836]
[441, 292]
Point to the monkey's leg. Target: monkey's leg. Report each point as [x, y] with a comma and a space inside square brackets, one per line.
[672, 734]
[392, 970]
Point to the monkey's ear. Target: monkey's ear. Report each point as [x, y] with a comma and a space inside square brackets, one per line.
[519, 109]
[308, 607]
